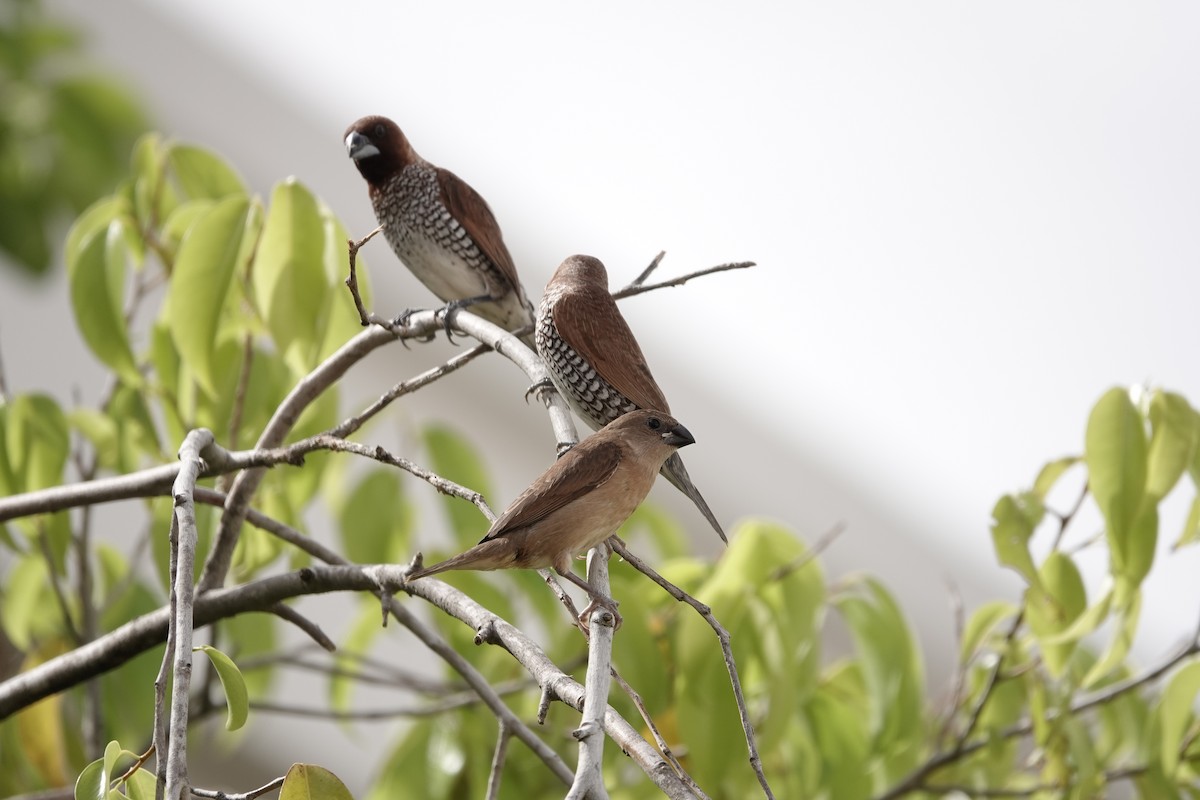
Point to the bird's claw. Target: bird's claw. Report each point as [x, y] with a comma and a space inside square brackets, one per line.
[608, 605]
[444, 312]
[544, 383]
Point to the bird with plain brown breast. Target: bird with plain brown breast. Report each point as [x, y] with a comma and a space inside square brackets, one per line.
[439, 226]
[595, 360]
[578, 502]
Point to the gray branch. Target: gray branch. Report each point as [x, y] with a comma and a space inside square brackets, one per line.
[190, 468]
[589, 772]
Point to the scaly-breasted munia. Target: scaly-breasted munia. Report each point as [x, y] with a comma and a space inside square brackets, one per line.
[595, 360]
[439, 226]
[578, 502]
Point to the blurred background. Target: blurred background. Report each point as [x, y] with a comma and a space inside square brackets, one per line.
[969, 221]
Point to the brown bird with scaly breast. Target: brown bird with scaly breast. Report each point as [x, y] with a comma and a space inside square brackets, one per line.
[439, 226]
[595, 360]
[578, 502]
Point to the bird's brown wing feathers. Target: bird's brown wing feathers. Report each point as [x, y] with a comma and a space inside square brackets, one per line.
[476, 217]
[592, 324]
[569, 478]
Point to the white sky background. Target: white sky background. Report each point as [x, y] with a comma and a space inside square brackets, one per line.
[970, 219]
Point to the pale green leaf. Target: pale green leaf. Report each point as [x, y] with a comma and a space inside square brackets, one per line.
[1175, 712]
[38, 441]
[1175, 431]
[1191, 526]
[1051, 473]
[455, 458]
[1053, 610]
[1118, 647]
[355, 644]
[1116, 461]
[289, 278]
[97, 278]
[237, 701]
[140, 785]
[204, 270]
[1014, 519]
[980, 625]
[92, 783]
[203, 174]
[375, 520]
[890, 659]
[310, 782]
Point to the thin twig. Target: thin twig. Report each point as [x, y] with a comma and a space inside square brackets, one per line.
[648, 271]
[56, 588]
[726, 650]
[659, 740]
[497, 769]
[808, 556]
[352, 279]
[289, 614]
[443, 485]
[215, 794]
[633, 289]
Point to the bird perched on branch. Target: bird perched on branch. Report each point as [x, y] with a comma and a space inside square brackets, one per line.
[439, 226]
[595, 360]
[578, 502]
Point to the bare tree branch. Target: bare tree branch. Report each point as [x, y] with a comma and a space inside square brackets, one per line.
[589, 772]
[181, 599]
[494, 774]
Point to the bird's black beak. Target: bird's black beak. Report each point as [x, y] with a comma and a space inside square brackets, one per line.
[360, 147]
[678, 436]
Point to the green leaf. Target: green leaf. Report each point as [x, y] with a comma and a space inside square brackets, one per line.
[289, 273]
[456, 459]
[1050, 475]
[112, 751]
[356, 644]
[38, 441]
[1014, 519]
[140, 785]
[1086, 622]
[203, 174]
[1175, 431]
[92, 783]
[375, 520]
[981, 624]
[1118, 648]
[1175, 711]
[237, 701]
[153, 197]
[1191, 527]
[1053, 610]
[310, 782]
[1116, 460]
[204, 270]
[891, 661]
[251, 636]
[97, 279]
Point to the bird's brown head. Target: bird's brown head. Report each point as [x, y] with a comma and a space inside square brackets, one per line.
[378, 148]
[655, 434]
[581, 270]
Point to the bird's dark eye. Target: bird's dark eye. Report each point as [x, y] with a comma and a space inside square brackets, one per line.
[379, 131]
[655, 423]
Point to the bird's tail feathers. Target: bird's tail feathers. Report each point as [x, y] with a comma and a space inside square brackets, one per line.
[674, 471]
